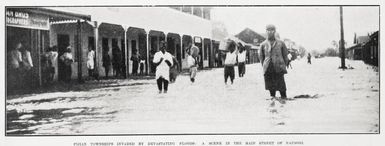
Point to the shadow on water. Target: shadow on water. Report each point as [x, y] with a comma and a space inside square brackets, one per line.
[276, 108]
[307, 96]
[57, 99]
[73, 86]
[20, 122]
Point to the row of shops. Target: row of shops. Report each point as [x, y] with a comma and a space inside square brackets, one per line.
[366, 50]
[136, 30]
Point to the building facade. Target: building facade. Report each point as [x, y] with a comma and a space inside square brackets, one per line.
[130, 31]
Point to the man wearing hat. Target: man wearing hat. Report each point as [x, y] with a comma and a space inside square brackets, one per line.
[273, 54]
[163, 62]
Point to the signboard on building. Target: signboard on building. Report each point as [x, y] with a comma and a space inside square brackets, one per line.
[197, 40]
[20, 18]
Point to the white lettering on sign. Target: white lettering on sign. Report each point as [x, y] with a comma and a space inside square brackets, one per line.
[21, 15]
[10, 13]
[18, 21]
[20, 18]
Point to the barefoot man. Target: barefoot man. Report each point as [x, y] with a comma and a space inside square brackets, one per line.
[273, 54]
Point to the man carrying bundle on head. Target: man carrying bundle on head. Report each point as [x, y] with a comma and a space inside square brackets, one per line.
[192, 61]
[230, 61]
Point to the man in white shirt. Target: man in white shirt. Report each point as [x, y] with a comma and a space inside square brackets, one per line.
[241, 60]
[163, 62]
[90, 62]
[231, 59]
[192, 64]
[289, 63]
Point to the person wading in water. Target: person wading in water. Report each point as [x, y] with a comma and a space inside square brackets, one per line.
[273, 54]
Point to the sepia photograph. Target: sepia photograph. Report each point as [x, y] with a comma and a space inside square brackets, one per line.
[108, 70]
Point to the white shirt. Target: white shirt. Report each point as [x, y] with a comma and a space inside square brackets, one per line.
[27, 59]
[231, 58]
[162, 70]
[142, 62]
[15, 58]
[242, 57]
[90, 59]
[289, 56]
[190, 61]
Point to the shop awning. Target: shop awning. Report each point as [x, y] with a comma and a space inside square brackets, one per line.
[149, 18]
[60, 15]
[39, 17]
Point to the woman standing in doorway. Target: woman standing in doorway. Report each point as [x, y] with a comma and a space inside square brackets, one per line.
[106, 63]
[67, 60]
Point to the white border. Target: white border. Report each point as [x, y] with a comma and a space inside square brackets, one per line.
[308, 140]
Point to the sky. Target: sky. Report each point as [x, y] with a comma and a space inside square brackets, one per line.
[312, 27]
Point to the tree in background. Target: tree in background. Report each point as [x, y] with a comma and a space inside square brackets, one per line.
[331, 52]
[301, 51]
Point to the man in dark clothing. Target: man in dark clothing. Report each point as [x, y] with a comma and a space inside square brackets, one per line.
[116, 61]
[106, 63]
[309, 58]
[273, 54]
[135, 63]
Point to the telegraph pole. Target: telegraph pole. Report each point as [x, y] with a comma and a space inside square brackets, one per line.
[342, 41]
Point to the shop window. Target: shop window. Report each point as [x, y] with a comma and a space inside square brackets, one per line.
[133, 47]
[187, 10]
[91, 42]
[183, 51]
[198, 12]
[114, 43]
[75, 48]
[105, 46]
[206, 51]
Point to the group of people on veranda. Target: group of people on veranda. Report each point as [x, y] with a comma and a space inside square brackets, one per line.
[117, 62]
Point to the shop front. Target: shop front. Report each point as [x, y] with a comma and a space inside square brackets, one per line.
[27, 39]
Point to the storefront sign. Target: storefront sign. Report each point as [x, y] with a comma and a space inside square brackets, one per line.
[197, 40]
[17, 18]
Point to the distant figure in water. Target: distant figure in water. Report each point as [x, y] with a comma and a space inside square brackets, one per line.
[174, 69]
[289, 63]
[193, 66]
[273, 54]
[309, 58]
[241, 59]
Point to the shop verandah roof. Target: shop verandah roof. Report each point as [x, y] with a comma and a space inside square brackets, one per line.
[54, 15]
[149, 18]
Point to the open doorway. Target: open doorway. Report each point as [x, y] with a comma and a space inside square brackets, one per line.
[63, 41]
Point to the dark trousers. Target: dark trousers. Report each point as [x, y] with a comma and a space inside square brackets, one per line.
[67, 73]
[92, 73]
[135, 65]
[229, 72]
[289, 64]
[241, 69]
[106, 70]
[162, 82]
[141, 68]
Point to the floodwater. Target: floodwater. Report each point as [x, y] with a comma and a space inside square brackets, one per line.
[322, 99]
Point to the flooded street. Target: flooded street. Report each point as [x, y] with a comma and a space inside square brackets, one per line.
[322, 99]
